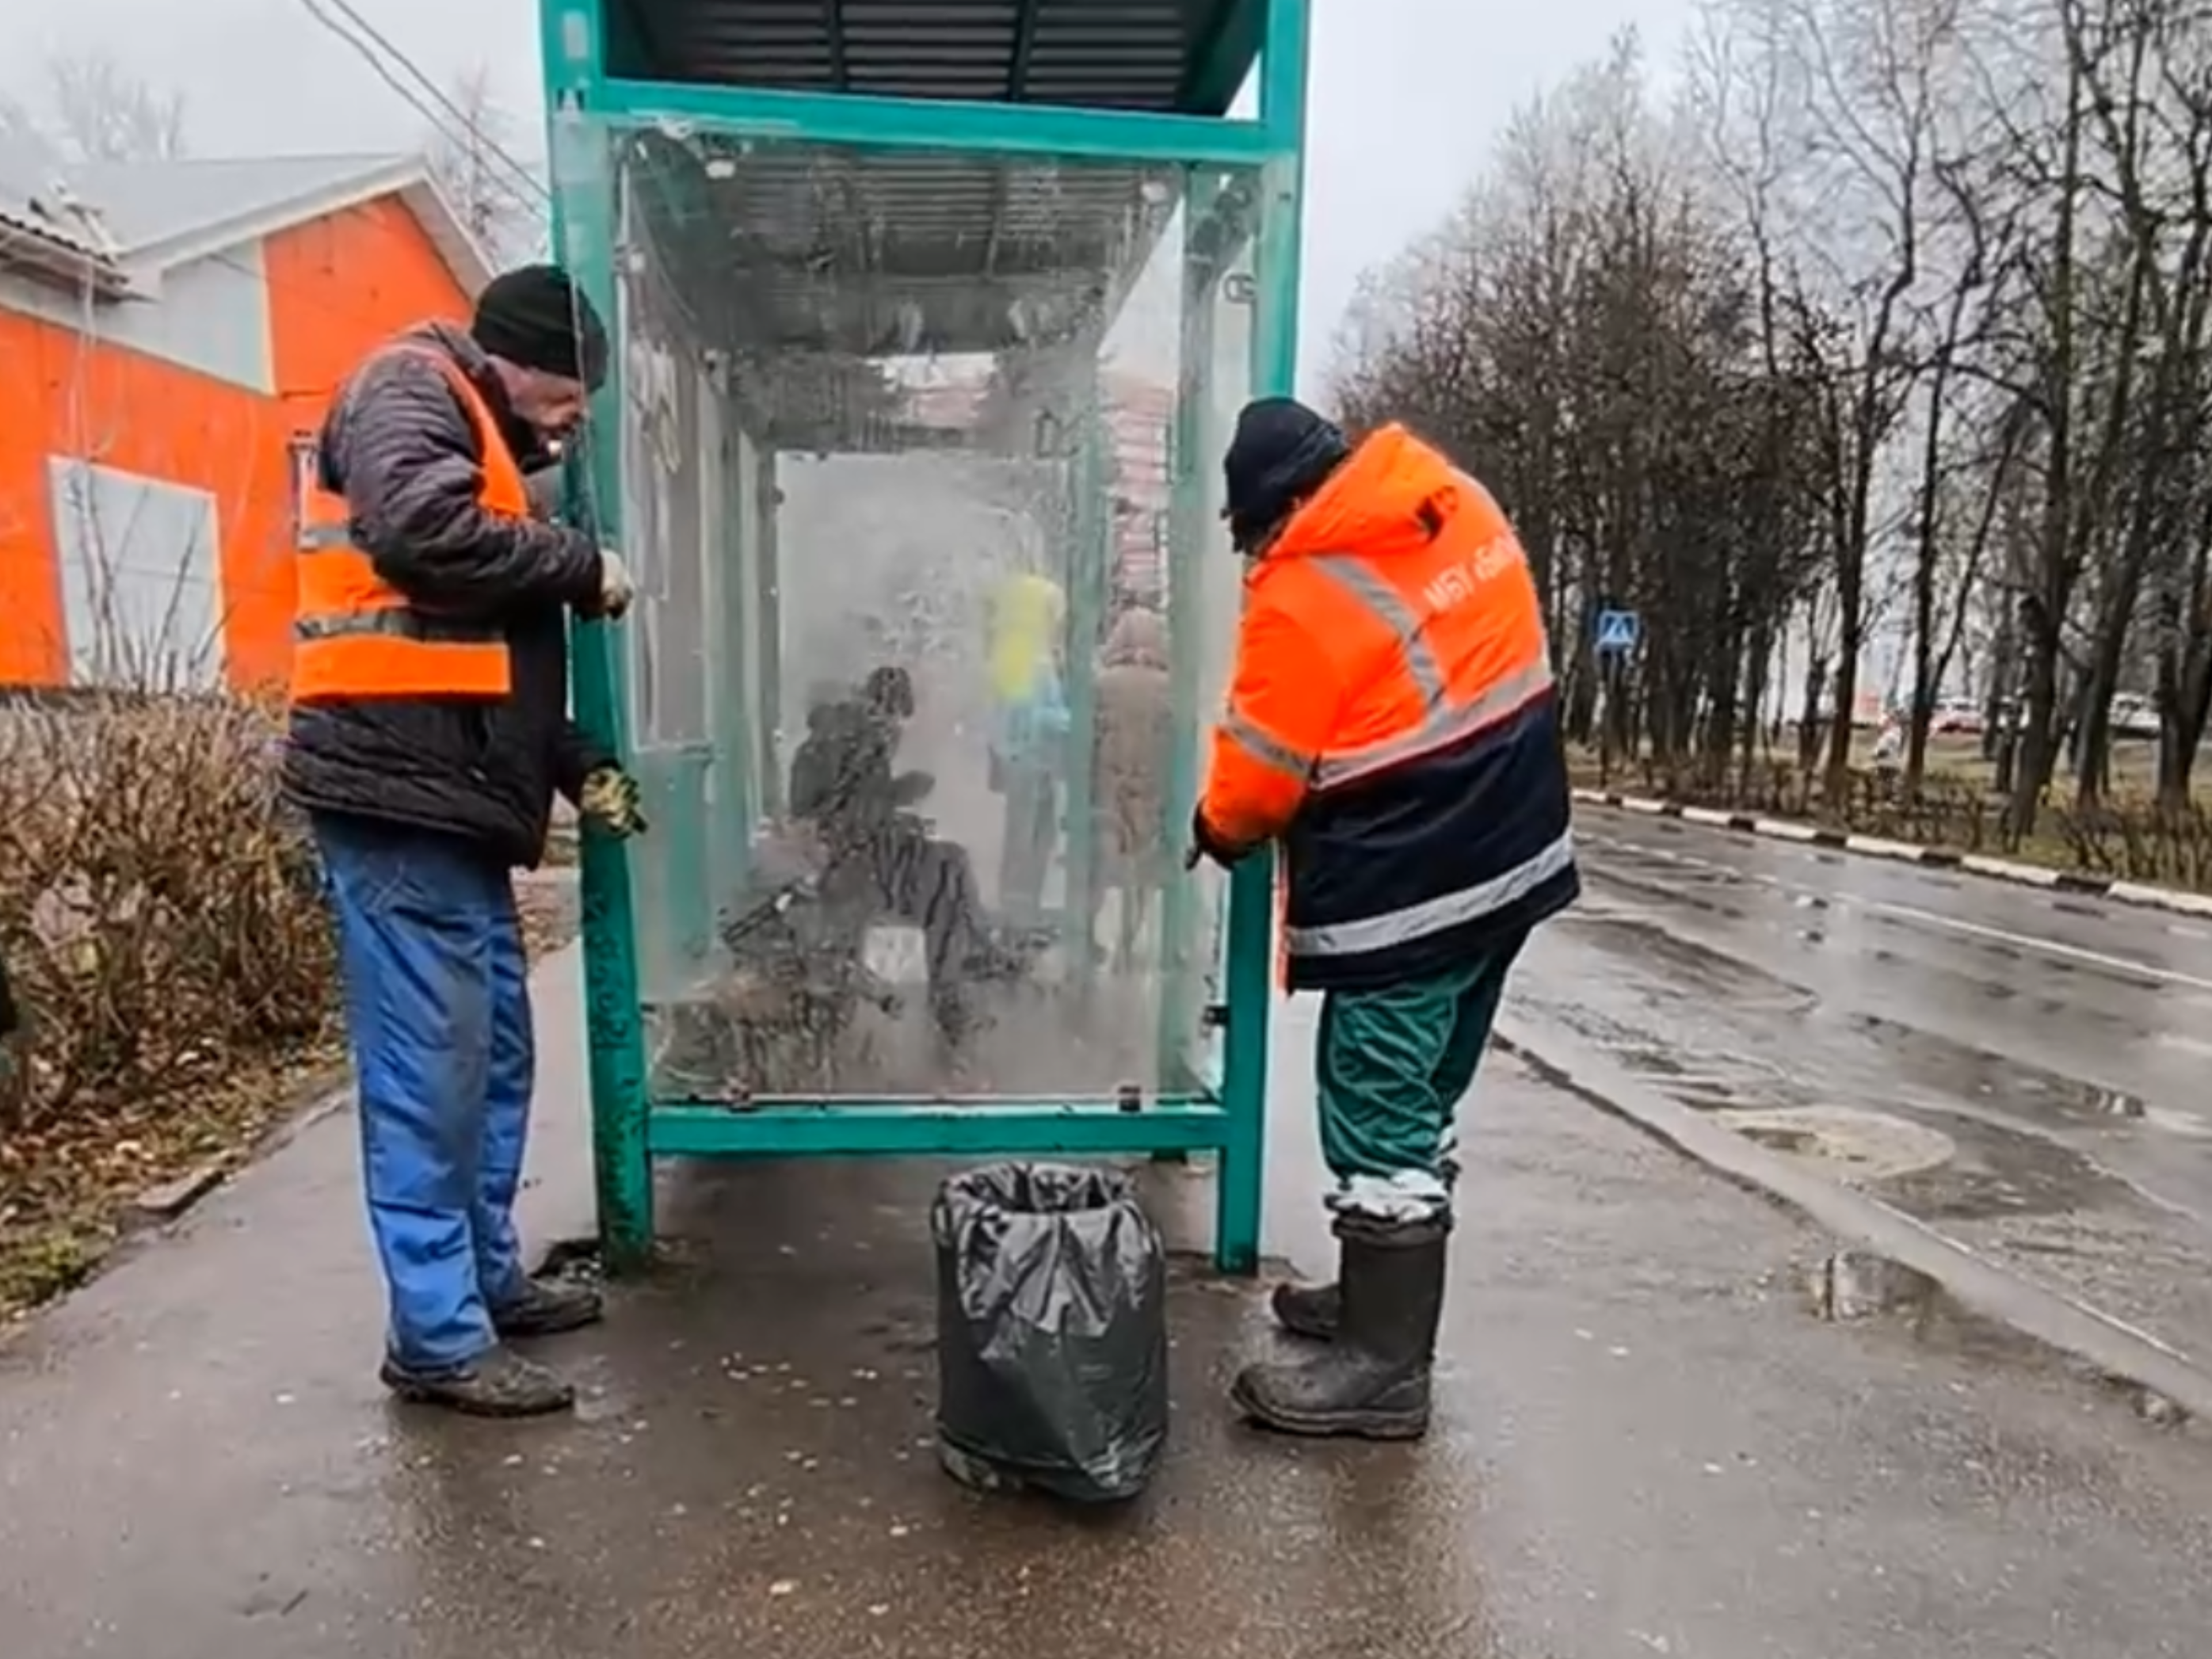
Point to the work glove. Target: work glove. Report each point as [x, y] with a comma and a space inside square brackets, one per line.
[1205, 844]
[607, 801]
[616, 588]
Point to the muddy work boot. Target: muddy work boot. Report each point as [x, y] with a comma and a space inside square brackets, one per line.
[1372, 1382]
[547, 1308]
[1313, 1311]
[498, 1383]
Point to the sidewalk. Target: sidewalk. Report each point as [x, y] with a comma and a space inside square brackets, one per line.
[1645, 1446]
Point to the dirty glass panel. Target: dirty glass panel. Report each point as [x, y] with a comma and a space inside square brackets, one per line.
[673, 490]
[896, 481]
[1208, 575]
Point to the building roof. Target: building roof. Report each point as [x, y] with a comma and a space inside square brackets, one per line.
[158, 214]
[45, 220]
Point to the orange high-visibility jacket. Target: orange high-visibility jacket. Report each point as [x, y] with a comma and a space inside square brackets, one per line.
[353, 635]
[1393, 720]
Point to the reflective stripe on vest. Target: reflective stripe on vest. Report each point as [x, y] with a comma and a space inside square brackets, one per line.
[1417, 921]
[353, 635]
[1462, 628]
[1442, 721]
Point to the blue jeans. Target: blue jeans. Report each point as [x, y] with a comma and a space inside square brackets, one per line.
[438, 1009]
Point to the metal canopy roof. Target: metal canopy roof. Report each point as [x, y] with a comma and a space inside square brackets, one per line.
[1162, 57]
[809, 248]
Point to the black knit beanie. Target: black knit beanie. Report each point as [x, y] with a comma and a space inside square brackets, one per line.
[534, 316]
[1281, 453]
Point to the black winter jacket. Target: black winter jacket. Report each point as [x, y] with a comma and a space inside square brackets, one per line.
[402, 449]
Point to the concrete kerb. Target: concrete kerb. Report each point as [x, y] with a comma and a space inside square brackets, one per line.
[2113, 1349]
[2139, 894]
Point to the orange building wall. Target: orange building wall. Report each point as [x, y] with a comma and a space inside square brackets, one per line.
[336, 286]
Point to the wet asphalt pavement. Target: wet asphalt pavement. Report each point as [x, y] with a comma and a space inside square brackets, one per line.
[1645, 1446]
[2034, 1063]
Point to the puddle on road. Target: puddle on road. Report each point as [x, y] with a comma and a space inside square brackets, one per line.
[1978, 1078]
[1689, 966]
[1834, 1096]
[1864, 1148]
[2100, 1193]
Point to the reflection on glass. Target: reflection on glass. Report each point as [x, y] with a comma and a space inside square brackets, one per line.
[911, 454]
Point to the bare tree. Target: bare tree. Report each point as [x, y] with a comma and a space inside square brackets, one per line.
[471, 156]
[96, 110]
[1894, 340]
[1582, 335]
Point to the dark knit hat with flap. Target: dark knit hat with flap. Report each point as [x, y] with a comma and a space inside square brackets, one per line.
[1281, 453]
[535, 317]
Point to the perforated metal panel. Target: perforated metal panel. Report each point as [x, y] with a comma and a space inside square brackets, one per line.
[1156, 56]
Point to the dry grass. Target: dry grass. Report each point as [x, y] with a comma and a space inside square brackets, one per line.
[169, 948]
[169, 953]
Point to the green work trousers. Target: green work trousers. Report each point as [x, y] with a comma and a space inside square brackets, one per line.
[1392, 1064]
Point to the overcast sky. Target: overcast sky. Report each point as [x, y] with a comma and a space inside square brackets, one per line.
[1407, 94]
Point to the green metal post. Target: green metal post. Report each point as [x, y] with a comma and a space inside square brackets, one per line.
[585, 221]
[1251, 908]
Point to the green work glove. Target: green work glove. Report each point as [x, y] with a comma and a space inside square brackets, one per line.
[607, 801]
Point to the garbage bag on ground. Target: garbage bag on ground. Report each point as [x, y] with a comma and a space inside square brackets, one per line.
[1052, 1337]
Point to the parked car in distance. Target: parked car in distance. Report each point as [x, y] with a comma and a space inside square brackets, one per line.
[1957, 718]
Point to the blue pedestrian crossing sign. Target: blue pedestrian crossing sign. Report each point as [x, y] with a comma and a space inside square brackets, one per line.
[1618, 631]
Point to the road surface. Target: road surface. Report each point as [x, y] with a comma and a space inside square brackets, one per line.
[2053, 1049]
[1646, 1445]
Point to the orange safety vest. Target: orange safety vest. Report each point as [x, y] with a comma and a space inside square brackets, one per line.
[353, 635]
[1393, 720]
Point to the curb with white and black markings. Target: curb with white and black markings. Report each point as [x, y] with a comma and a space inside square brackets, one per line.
[1814, 835]
[2171, 1385]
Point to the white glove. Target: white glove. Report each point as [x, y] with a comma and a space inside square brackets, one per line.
[616, 588]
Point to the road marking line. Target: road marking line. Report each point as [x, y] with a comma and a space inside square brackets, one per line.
[2029, 942]
[1913, 913]
[2134, 894]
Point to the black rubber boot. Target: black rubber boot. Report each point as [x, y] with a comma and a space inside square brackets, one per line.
[1373, 1380]
[497, 1383]
[547, 1308]
[1313, 1311]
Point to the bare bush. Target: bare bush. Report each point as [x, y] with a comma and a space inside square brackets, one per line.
[157, 906]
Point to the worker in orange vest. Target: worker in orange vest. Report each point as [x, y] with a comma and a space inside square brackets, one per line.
[1393, 722]
[429, 732]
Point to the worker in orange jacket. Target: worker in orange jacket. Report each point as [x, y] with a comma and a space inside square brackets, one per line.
[1392, 723]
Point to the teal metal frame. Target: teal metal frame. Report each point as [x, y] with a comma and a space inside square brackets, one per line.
[630, 1128]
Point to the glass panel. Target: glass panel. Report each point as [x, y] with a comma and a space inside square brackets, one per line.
[1208, 577]
[669, 478]
[952, 599]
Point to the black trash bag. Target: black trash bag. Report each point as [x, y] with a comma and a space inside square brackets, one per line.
[1052, 1332]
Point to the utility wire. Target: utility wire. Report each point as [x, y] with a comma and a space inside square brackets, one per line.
[465, 129]
[448, 120]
